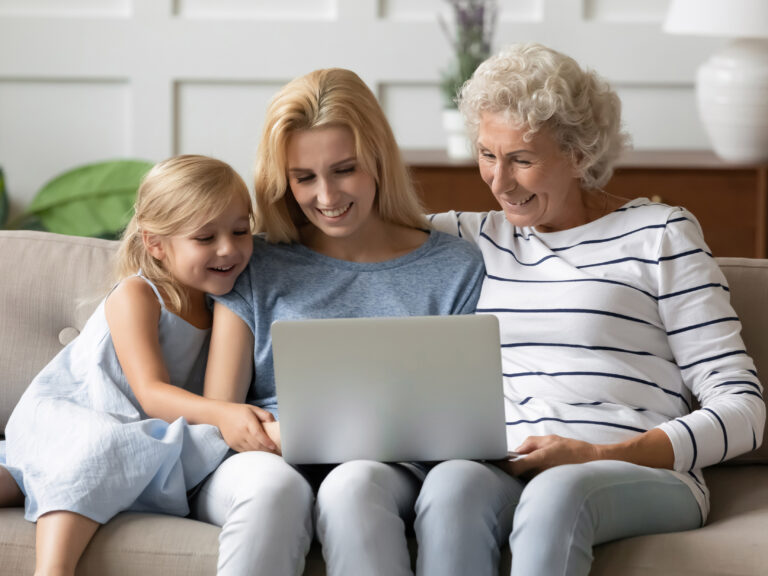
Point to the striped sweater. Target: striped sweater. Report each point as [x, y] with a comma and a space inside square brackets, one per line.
[613, 328]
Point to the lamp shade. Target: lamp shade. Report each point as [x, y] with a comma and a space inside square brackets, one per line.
[727, 18]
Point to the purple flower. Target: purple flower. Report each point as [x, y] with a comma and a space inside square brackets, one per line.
[471, 38]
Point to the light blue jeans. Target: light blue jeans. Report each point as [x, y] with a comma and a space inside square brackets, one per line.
[462, 515]
[466, 510]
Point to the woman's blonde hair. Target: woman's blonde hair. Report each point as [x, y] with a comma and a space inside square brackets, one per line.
[537, 87]
[323, 98]
[177, 196]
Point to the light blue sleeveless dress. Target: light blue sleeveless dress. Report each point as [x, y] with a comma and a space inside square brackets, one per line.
[78, 439]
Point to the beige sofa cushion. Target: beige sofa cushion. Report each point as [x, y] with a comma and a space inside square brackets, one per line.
[748, 282]
[732, 543]
[49, 285]
[129, 544]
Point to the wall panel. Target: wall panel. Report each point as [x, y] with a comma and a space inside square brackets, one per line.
[68, 8]
[626, 10]
[521, 10]
[154, 78]
[414, 111]
[49, 127]
[223, 120]
[662, 113]
[257, 9]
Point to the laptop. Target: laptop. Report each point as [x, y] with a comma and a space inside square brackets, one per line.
[417, 388]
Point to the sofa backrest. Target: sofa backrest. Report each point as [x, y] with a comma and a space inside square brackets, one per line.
[748, 282]
[50, 284]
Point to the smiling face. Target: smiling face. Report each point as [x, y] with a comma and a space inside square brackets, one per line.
[534, 182]
[327, 180]
[209, 258]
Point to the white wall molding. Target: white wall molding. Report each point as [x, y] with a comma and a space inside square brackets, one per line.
[196, 75]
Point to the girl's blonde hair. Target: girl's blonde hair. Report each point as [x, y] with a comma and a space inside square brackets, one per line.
[177, 196]
[330, 97]
[537, 87]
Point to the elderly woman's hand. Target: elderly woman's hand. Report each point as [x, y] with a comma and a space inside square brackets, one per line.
[543, 452]
[652, 448]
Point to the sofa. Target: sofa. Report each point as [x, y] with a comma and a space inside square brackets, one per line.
[49, 284]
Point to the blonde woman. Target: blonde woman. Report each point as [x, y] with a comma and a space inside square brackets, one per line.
[614, 316]
[343, 236]
[109, 424]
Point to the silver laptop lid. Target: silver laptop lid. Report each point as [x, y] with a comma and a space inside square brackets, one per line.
[389, 389]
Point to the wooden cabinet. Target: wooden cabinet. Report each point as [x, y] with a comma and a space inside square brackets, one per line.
[730, 201]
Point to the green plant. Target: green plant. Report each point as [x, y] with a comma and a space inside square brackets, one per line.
[474, 24]
[92, 200]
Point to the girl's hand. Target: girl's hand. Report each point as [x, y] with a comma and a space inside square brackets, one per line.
[543, 452]
[242, 427]
[273, 431]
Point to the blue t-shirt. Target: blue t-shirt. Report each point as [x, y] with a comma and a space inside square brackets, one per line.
[290, 281]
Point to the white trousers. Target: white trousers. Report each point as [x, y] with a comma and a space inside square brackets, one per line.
[264, 507]
[363, 511]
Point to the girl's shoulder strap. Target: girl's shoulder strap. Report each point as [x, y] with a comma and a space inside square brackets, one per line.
[154, 288]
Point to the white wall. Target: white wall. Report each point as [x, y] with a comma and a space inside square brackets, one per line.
[86, 80]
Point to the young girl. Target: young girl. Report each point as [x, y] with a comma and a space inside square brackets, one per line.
[344, 237]
[109, 425]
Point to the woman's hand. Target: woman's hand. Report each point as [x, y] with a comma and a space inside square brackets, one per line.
[543, 452]
[652, 448]
[243, 427]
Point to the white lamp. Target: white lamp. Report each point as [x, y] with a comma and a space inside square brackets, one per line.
[732, 86]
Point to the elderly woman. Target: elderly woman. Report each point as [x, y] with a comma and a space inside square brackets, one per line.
[614, 317]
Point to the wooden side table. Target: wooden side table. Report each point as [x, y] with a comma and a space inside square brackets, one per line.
[729, 200]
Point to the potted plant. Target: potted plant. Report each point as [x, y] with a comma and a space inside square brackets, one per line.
[91, 200]
[470, 36]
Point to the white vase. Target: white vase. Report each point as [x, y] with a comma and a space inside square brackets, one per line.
[732, 90]
[457, 144]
